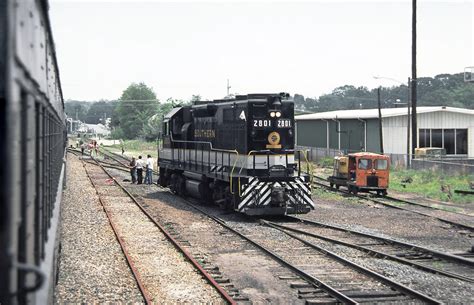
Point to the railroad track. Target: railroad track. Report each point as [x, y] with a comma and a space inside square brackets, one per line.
[428, 260]
[119, 158]
[127, 217]
[327, 273]
[404, 204]
[336, 284]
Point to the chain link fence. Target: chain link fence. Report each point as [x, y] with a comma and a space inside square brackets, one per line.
[445, 164]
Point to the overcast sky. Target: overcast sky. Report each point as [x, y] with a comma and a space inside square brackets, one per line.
[186, 48]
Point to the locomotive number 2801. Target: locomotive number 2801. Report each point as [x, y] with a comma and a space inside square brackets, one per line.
[284, 123]
[262, 123]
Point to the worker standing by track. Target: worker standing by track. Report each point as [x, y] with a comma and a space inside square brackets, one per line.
[149, 170]
[140, 165]
[133, 170]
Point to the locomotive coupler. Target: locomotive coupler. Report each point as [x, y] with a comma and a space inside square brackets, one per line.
[278, 196]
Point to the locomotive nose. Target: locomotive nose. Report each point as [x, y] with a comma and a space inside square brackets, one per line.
[278, 196]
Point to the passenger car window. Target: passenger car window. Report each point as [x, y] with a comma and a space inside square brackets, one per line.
[381, 164]
[365, 164]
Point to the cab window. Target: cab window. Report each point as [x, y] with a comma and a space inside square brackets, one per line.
[381, 164]
[365, 164]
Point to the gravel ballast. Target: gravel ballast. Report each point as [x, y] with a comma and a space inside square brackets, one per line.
[92, 267]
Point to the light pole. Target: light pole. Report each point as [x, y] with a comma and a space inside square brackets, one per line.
[408, 112]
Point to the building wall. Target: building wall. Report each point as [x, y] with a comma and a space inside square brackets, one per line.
[344, 134]
[395, 129]
[395, 134]
[313, 132]
[373, 137]
[352, 135]
[470, 141]
[333, 135]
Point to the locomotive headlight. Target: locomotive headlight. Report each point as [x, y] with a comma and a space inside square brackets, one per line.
[278, 114]
[272, 114]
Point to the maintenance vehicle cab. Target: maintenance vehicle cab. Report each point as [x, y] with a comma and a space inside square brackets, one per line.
[361, 172]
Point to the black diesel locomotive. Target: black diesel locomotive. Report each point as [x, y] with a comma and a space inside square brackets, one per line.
[238, 153]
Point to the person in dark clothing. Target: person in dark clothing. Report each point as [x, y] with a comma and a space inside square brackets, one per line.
[133, 170]
[139, 165]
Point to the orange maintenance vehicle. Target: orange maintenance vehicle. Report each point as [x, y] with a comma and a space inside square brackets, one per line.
[361, 172]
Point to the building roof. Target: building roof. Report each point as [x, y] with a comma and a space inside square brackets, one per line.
[373, 113]
[98, 128]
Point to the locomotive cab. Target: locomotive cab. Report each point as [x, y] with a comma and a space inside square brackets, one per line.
[271, 137]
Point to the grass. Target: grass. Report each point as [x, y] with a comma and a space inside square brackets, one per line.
[136, 147]
[321, 193]
[327, 162]
[429, 183]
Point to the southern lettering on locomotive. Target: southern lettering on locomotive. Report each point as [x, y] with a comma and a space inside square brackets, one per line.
[238, 153]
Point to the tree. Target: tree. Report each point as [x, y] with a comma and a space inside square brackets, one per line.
[100, 110]
[76, 109]
[443, 89]
[299, 102]
[152, 128]
[195, 98]
[136, 106]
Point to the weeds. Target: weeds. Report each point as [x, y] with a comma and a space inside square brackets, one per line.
[136, 147]
[431, 184]
[326, 195]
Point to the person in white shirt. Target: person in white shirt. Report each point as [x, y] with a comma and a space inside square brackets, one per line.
[140, 165]
[149, 170]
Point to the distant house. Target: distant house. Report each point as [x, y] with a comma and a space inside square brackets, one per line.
[96, 129]
[358, 130]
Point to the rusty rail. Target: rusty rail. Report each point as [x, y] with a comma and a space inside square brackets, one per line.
[175, 243]
[135, 272]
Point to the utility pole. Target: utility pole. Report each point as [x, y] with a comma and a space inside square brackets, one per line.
[380, 120]
[228, 88]
[408, 123]
[413, 80]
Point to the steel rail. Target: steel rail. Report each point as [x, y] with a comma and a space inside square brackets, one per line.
[408, 202]
[376, 253]
[424, 205]
[114, 157]
[136, 274]
[398, 286]
[308, 277]
[190, 258]
[447, 256]
[454, 223]
[331, 291]
[110, 155]
[108, 165]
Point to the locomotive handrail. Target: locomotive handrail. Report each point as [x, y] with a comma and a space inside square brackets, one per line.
[215, 149]
[309, 167]
[204, 142]
[267, 151]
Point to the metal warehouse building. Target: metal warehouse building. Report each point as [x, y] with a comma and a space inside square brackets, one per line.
[358, 130]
